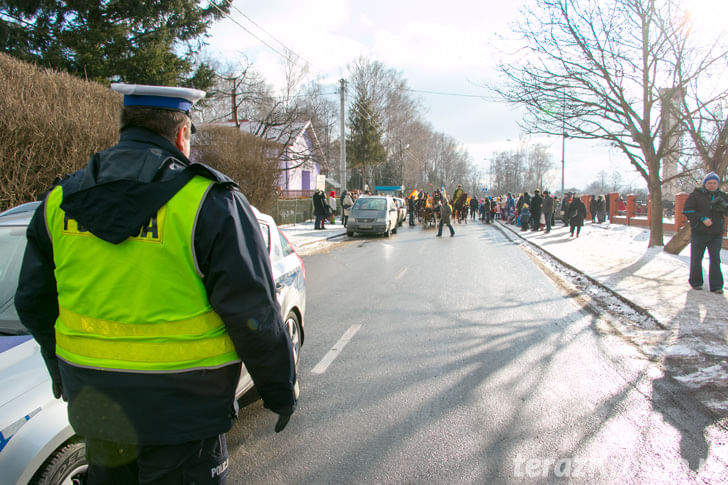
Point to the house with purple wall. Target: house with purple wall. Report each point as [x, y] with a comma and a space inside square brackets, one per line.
[301, 156]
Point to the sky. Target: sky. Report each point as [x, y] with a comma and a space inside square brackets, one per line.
[450, 47]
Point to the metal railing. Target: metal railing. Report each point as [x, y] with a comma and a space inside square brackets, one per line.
[291, 211]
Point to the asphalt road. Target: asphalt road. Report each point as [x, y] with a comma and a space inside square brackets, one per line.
[457, 360]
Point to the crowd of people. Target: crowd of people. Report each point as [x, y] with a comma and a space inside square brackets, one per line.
[537, 211]
[325, 207]
[540, 211]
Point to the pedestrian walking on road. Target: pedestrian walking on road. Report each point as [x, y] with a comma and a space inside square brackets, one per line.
[486, 209]
[473, 207]
[706, 208]
[141, 277]
[445, 213]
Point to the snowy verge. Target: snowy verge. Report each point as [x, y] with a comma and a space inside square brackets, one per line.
[642, 292]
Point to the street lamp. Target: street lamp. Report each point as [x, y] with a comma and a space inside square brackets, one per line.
[563, 140]
[401, 162]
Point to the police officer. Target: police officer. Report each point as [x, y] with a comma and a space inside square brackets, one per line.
[146, 281]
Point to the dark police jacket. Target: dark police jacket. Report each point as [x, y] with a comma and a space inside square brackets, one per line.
[703, 203]
[114, 196]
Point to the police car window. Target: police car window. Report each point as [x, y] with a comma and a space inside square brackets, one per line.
[265, 231]
[285, 247]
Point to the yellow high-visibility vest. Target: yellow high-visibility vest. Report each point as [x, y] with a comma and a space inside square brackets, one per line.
[140, 305]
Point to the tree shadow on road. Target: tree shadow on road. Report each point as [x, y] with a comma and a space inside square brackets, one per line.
[695, 372]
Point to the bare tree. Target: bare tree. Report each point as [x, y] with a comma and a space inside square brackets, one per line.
[616, 181]
[527, 167]
[595, 69]
[242, 98]
[539, 166]
[507, 171]
[703, 109]
[236, 95]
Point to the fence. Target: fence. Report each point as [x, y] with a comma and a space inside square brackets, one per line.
[295, 194]
[291, 211]
[633, 212]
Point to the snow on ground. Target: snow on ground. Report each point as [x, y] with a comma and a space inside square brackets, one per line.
[684, 329]
[307, 240]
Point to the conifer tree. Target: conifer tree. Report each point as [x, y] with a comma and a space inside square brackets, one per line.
[123, 40]
[364, 146]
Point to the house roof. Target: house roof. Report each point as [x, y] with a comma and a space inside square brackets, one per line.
[286, 136]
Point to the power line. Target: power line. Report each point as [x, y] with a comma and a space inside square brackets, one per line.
[442, 93]
[288, 49]
[251, 33]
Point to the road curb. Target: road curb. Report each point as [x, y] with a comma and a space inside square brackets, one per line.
[320, 239]
[502, 227]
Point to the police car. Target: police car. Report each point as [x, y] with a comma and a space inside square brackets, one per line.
[37, 444]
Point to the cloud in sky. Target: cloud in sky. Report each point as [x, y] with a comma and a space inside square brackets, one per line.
[449, 48]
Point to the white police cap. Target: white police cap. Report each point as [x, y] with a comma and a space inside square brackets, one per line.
[165, 97]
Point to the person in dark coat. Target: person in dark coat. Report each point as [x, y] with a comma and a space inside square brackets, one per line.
[445, 213]
[565, 208]
[601, 209]
[706, 209]
[535, 207]
[510, 207]
[524, 216]
[319, 209]
[577, 214]
[548, 209]
[411, 209]
[473, 207]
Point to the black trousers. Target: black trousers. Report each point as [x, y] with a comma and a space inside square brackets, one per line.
[574, 226]
[196, 462]
[698, 244]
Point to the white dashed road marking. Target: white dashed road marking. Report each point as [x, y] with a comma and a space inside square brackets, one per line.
[335, 350]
